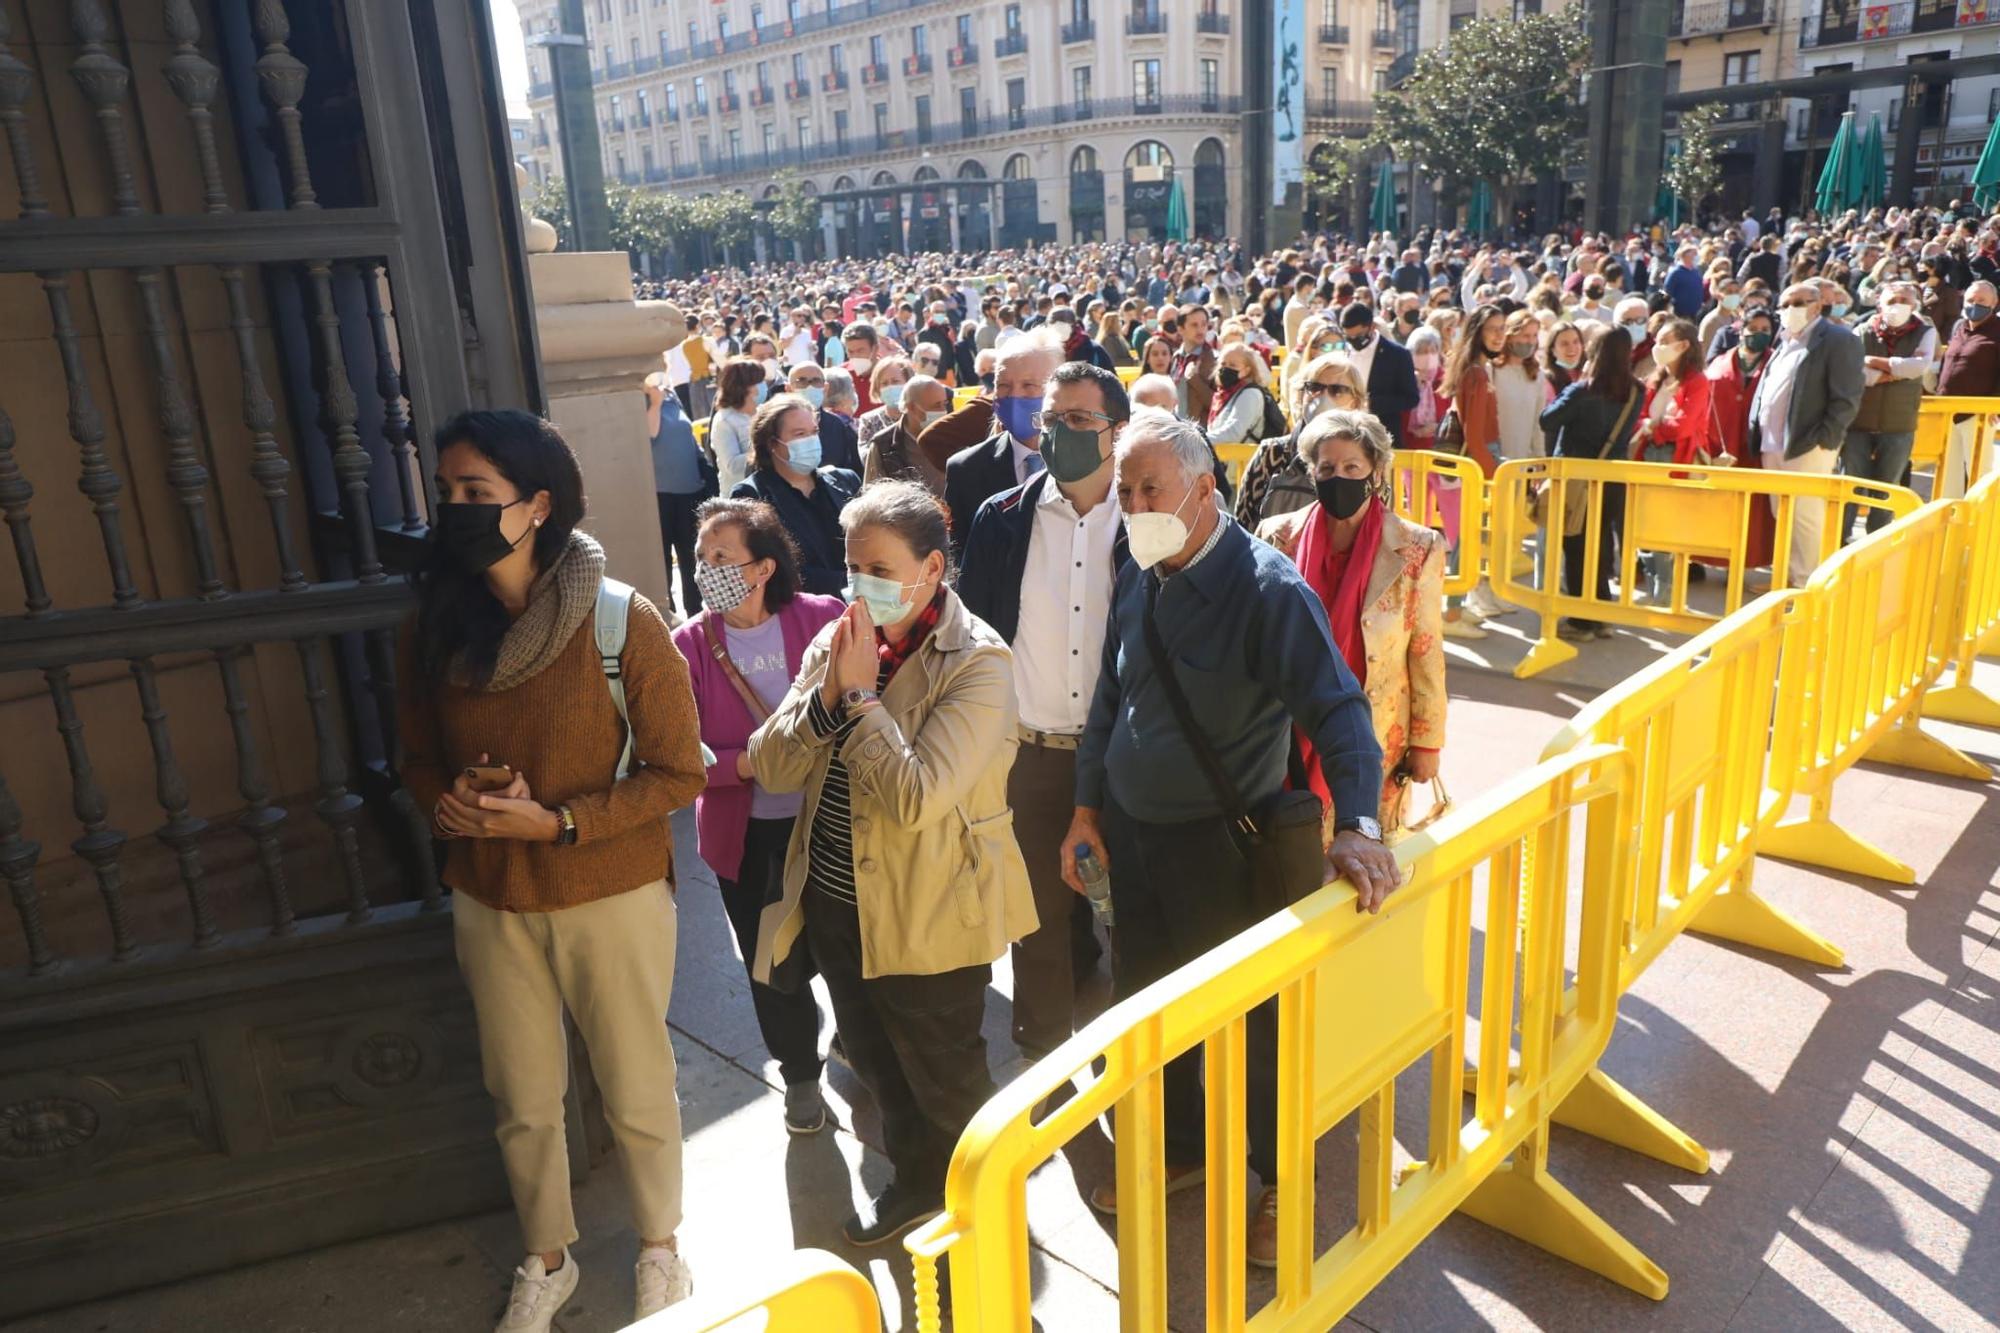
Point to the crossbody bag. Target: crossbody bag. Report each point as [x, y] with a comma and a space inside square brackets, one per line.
[729, 671]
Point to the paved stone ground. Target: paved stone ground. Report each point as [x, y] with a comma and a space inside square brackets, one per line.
[1853, 1117]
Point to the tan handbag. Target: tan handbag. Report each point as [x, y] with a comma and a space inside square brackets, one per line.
[715, 646]
[1440, 807]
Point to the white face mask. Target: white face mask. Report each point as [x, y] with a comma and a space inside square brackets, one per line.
[1899, 313]
[1796, 317]
[1153, 537]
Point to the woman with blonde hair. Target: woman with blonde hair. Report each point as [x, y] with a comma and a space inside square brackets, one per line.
[885, 384]
[1275, 481]
[1236, 411]
[1381, 580]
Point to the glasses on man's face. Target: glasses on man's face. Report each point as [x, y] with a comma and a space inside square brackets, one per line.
[1078, 418]
[1333, 390]
[803, 383]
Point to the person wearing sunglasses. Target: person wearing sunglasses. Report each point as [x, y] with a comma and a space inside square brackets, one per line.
[1275, 481]
[1808, 397]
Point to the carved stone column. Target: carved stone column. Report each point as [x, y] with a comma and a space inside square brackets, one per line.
[598, 345]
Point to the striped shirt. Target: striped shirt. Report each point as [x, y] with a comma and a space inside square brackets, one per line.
[830, 841]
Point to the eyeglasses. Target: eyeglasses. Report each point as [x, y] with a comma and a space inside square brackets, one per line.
[1078, 418]
[1333, 389]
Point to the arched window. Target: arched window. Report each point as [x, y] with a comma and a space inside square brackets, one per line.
[1149, 153]
[925, 174]
[884, 178]
[970, 170]
[1083, 161]
[808, 188]
[1018, 169]
[844, 183]
[1210, 154]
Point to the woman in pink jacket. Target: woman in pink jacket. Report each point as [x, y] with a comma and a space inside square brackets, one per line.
[743, 653]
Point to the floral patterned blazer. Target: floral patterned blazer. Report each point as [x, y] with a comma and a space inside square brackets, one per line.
[1402, 625]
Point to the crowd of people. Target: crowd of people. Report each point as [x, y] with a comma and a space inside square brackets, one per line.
[939, 673]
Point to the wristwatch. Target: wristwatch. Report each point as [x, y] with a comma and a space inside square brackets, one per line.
[566, 835]
[1362, 824]
[853, 699]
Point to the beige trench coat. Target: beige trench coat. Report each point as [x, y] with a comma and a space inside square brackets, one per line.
[940, 880]
[1402, 628]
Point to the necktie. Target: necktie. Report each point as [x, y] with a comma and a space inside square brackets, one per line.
[1030, 465]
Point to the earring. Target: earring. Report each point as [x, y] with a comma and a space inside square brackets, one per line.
[538, 522]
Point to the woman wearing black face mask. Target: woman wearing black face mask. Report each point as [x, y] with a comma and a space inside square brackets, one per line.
[1382, 582]
[560, 869]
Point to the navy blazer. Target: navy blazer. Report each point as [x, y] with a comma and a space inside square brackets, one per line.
[837, 445]
[971, 477]
[996, 555]
[1392, 385]
[813, 521]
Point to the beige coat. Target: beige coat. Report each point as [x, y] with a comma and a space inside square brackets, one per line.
[1402, 628]
[941, 882]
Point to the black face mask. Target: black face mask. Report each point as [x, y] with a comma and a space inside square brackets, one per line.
[470, 534]
[1358, 342]
[1343, 496]
[1228, 376]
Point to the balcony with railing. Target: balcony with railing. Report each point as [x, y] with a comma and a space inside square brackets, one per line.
[616, 124]
[669, 115]
[762, 96]
[1010, 44]
[874, 72]
[1715, 17]
[728, 103]
[1209, 23]
[1146, 23]
[701, 106]
[1333, 34]
[1383, 39]
[1083, 30]
[1402, 67]
[833, 81]
[540, 90]
[1867, 23]
[797, 90]
[959, 57]
[1328, 109]
[916, 65]
[643, 120]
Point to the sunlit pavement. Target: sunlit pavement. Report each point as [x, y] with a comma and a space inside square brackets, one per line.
[1853, 1119]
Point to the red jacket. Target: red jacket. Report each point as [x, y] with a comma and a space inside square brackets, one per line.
[1689, 424]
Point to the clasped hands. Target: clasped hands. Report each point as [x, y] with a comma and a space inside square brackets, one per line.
[510, 812]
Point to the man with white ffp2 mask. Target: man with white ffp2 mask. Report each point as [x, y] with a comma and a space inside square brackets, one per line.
[1248, 643]
[1804, 405]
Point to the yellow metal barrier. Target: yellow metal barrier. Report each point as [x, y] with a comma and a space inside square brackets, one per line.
[1695, 724]
[1931, 450]
[1422, 482]
[1128, 374]
[1683, 511]
[960, 397]
[701, 431]
[1880, 609]
[1236, 457]
[1359, 999]
[1975, 626]
[807, 1291]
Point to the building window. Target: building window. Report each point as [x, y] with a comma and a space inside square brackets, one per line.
[1079, 11]
[605, 59]
[736, 145]
[645, 107]
[1145, 81]
[646, 158]
[802, 132]
[673, 101]
[635, 50]
[1329, 85]
[1382, 21]
[700, 95]
[617, 114]
[1211, 80]
[722, 28]
[1740, 68]
[798, 67]
[673, 155]
[1079, 86]
[923, 120]
[836, 58]
[840, 131]
[965, 32]
[1012, 20]
[968, 111]
[920, 40]
[729, 83]
[701, 149]
[619, 160]
[664, 48]
[877, 50]
[770, 139]
[756, 17]
[694, 35]
[1017, 103]
[881, 122]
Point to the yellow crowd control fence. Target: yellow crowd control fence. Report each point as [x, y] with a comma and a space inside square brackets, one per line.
[1359, 1001]
[1884, 621]
[1423, 483]
[1696, 724]
[1683, 512]
[806, 1291]
[1939, 428]
[1976, 627]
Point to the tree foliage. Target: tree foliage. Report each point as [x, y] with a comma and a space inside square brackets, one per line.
[1695, 172]
[1497, 103]
[725, 218]
[1334, 166]
[645, 221]
[794, 214]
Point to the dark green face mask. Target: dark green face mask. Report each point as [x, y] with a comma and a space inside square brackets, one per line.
[1756, 342]
[1069, 454]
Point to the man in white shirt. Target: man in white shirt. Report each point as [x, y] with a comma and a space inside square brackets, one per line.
[1803, 407]
[798, 348]
[1039, 567]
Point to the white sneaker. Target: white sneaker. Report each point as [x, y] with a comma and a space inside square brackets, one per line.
[538, 1294]
[662, 1278]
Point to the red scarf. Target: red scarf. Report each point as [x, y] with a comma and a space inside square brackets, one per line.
[1222, 397]
[893, 655]
[1341, 580]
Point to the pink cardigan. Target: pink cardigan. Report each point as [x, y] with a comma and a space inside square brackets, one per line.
[722, 813]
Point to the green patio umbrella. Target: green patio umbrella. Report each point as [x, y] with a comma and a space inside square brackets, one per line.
[1382, 208]
[1479, 214]
[1837, 187]
[1874, 177]
[1666, 203]
[1986, 175]
[1177, 212]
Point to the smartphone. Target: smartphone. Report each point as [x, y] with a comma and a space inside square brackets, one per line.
[488, 777]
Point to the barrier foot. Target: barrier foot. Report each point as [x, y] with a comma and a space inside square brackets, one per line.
[1989, 643]
[1548, 651]
[1965, 703]
[1533, 1206]
[1602, 1108]
[1740, 915]
[1910, 746]
[1818, 841]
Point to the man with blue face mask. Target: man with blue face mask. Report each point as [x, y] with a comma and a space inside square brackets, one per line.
[837, 443]
[1247, 642]
[1011, 455]
[1038, 567]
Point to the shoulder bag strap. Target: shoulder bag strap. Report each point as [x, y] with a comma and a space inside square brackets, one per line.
[1618, 426]
[614, 606]
[1211, 766]
[729, 670]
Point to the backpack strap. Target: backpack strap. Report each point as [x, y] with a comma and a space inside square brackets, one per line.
[614, 608]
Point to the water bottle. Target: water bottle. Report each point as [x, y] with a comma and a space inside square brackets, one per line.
[1096, 882]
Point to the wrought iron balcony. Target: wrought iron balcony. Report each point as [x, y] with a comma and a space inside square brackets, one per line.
[1715, 17]
[1384, 40]
[873, 73]
[1868, 23]
[834, 81]
[1083, 31]
[762, 96]
[1146, 23]
[670, 115]
[797, 89]
[918, 64]
[541, 90]
[1212, 23]
[1010, 44]
[958, 57]
[1333, 34]
[727, 103]
[701, 106]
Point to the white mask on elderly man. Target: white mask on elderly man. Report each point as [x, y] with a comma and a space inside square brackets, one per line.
[1154, 536]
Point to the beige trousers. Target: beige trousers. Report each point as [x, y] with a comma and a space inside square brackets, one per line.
[611, 963]
[1808, 516]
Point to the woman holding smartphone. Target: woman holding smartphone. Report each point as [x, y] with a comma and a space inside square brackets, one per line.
[561, 872]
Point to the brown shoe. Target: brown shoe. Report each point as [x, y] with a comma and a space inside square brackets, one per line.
[1260, 1245]
[1105, 1197]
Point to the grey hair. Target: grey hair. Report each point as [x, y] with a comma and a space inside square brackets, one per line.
[1339, 423]
[916, 382]
[1983, 283]
[1153, 383]
[1035, 342]
[839, 387]
[1810, 287]
[1152, 425]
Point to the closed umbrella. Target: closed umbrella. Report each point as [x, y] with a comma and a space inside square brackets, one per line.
[1986, 175]
[1836, 189]
[1874, 177]
[1481, 208]
[1177, 211]
[1666, 203]
[1382, 209]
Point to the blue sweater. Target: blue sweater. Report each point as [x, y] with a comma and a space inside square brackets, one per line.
[1253, 654]
[1684, 287]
